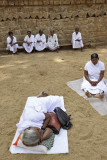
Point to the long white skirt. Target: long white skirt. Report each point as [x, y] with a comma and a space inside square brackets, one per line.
[12, 48]
[98, 89]
[29, 48]
[52, 46]
[40, 46]
[77, 44]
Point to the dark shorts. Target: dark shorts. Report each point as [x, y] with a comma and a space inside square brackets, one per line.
[55, 131]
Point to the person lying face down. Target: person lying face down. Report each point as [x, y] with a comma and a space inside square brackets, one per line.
[93, 83]
[34, 127]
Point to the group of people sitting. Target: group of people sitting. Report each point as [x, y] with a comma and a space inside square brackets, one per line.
[38, 42]
[32, 42]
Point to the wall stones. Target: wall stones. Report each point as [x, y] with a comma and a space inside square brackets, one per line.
[62, 16]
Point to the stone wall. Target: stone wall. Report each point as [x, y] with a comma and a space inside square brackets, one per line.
[61, 15]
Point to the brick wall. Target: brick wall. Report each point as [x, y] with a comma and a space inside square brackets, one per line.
[61, 15]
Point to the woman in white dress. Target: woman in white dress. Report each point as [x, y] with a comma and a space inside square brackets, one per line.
[52, 43]
[12, 45]
[93, 83]
[28, 43]
[40, 41]
[77, 39]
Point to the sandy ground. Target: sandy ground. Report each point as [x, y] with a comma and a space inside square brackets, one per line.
[27, 75]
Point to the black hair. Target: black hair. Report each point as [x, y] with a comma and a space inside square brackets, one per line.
[77, 29]
[94, 55]
[40, 31]
[9, 33]
[28, 31]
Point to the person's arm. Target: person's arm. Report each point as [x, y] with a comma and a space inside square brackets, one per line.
[101, 76]
[11, 41]
[46, 120]
[43, 128]
[86, 76]
[43, 39]
[15, 41]
[93, 83]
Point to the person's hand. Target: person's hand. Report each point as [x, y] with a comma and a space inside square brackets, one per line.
[28, 44]
[78, 40]
[38, 41]
[94, 83]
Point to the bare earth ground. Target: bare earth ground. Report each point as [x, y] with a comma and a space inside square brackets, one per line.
[27, 75]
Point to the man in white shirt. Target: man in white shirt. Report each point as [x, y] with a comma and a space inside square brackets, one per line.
[77, 39]
[28, 43]
[52, 43]
[12, 45]
[40, 41]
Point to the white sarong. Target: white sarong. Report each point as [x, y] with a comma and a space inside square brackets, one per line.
[14, 47]
[52, 43]
[77, 44]
[94, 74]
[28, 48]
[40, 46]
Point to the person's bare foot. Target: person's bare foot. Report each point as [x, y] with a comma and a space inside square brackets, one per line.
[101, 96]
[88, 94]
[42, 94]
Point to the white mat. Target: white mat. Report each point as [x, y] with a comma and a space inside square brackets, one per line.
[100, 105]
[60, 141]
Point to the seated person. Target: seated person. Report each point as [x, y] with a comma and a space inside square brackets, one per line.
[34, 125]
[40, 41]
[52, 43]
[12, 45]
[93, 83]
[77, 39]
[28, 43]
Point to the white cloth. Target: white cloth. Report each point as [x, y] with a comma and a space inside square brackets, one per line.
[100, 105]
[33, 115]
[94, 74]
[52, 43]
[77, 44]
[28, 39]
[39, 46]
[14, 47]
[61, 138]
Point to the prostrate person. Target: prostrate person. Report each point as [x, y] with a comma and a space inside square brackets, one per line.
[12, 45]
[40, 41]
[77, 39]
[28, 43]
[52, 43]
[93, 83]
[34, 124]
